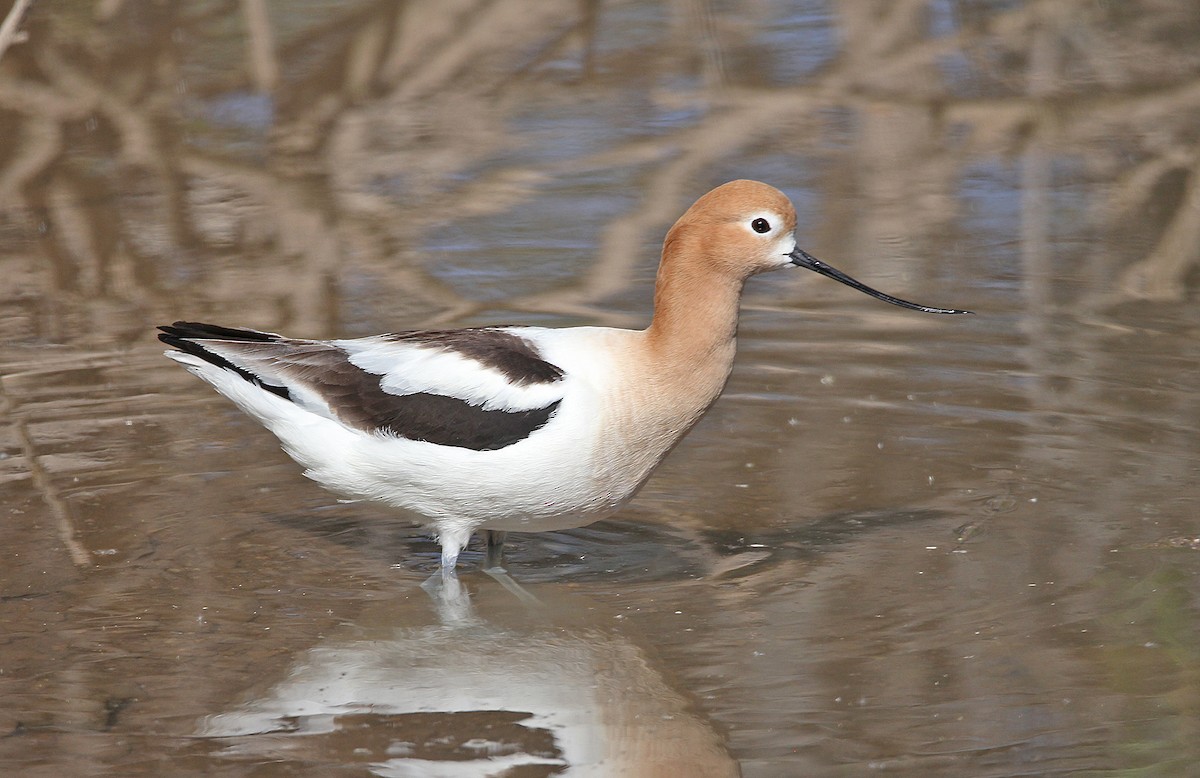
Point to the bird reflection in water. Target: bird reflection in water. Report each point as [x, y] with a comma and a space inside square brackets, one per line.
[526, 688]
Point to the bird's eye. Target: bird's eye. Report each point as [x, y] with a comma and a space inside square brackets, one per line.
[760, 225]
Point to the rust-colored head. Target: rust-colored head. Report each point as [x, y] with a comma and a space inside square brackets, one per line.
[747, 227]
[738, 229]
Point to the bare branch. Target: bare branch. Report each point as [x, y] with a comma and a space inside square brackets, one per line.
[8, 30]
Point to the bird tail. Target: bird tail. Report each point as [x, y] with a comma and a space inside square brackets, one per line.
[189, 337]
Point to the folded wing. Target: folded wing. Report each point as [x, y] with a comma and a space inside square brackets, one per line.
[480, 389]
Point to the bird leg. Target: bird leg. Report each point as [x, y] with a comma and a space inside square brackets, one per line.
[494, 557]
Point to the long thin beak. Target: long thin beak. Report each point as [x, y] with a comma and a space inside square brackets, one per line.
[803, 259]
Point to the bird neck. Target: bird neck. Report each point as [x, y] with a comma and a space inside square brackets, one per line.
[695, 316]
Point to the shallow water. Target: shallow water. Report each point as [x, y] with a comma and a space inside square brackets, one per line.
[918, 545]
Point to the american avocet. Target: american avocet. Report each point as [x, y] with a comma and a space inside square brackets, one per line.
[515, 428]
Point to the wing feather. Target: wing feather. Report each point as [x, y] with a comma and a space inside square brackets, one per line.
[481, 389]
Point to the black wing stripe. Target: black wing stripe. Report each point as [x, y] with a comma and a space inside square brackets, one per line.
[448, 421]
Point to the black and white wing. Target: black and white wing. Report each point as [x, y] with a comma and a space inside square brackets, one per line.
[480, 389]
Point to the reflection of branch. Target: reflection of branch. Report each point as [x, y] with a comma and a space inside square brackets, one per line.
[41, 480]
[8, 30]
[358, 122]
[303, 228]
[741, 124]
[1160, 275]
[423, 64]
[77, 93]
[264, 71]
[37, 145]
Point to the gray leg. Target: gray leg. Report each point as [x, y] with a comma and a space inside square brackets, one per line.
[494, 558]
[493, 565]
[453, 541]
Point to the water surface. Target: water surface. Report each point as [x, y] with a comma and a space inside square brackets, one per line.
[917, 545]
